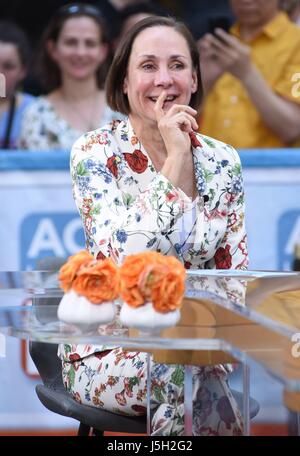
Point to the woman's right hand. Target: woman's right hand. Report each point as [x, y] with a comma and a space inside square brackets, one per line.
[175, 126]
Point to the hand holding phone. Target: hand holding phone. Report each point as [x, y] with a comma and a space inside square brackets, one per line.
[221, 22]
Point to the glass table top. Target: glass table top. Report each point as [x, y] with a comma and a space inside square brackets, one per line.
[225, 314]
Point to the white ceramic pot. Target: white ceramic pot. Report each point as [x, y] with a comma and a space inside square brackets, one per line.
[80, 311]
[147, 319]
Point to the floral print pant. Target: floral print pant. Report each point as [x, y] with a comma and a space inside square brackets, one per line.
[116, 380]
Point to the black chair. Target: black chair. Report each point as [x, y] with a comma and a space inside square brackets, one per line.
[54, 397]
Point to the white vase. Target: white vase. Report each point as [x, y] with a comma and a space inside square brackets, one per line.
[78, 310]
[147, 319]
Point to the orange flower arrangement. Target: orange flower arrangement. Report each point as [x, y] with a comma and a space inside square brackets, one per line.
[151, 276]
[97, 280]
[70, 269]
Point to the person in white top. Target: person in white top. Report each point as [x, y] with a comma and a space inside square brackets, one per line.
[73, 64]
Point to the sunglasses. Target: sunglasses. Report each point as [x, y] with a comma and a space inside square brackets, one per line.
[79, 8]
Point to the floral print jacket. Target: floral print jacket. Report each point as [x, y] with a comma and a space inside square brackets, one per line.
[127, 206]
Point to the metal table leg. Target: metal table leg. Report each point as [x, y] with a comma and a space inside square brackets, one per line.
[188, 400]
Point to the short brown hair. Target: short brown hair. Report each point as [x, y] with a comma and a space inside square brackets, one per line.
[116, 98]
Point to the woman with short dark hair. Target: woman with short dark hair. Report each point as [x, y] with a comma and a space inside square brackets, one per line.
[151, 182]
[116, 98]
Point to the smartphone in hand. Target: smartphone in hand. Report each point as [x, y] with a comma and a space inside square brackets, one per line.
[222, 22]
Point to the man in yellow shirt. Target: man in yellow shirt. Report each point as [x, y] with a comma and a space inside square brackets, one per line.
[251, 78]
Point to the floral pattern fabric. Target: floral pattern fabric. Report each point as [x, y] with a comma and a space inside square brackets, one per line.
[43, 128]
[117, 380]
[126, 207]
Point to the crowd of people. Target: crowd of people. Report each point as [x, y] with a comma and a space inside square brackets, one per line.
[152, 127]
[248, 103]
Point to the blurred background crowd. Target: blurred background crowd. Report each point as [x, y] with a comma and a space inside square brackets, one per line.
[55, 59]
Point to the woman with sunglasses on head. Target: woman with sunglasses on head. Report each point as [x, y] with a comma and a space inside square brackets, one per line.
[73, 63]
[150, 182]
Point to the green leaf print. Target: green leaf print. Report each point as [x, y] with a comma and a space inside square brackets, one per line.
[72, 376]
[81, 170]
[240, 200]
[157, 393]
[236, 170]
[208, 175]
[211, 193]
[209, 142]
[180, 420]
[96, 210]
[178, 376]
[67, 348]
[134, 381]
[127, 199]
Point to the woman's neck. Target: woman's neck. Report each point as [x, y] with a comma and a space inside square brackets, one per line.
[78, 90]
[79, 103]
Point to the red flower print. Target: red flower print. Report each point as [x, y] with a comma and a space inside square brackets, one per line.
[111, 164]
[102, 138]
[77, 397]
[232, 219]
[120, 398]
[87, 206]
[101, 256]
[187, 265]
[101, 354]
[223, 257]
[88, 223]
[128, 387]
[203, 406]
[96, 401]
[171, 196]
[132, 355]
[243, 245]
[194, 140]
[113, 253]
[225, 411]
[74, 357]
[208, 431]
[139, 409]
[134, 140]
[137, 161]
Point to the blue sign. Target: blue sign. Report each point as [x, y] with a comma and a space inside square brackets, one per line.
[288, 237]
[49, 234]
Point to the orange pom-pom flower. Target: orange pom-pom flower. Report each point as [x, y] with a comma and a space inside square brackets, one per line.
[97, 280]
[70, 269]
[152, 277]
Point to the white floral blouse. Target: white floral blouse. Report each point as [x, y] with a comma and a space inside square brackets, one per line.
[127, 206]
[44, 129]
